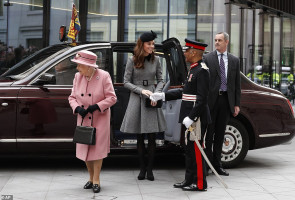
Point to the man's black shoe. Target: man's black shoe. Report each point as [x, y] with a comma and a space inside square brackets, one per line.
[182, 184]
[221, 171]
[193, 187]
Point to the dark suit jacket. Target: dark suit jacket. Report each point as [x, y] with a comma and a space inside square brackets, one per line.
[197, 83]
[233, 79]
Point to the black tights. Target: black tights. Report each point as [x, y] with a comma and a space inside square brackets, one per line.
[150, 150]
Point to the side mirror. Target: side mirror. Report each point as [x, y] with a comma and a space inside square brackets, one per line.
[62, 33]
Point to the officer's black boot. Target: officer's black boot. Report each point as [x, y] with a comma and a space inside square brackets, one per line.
[151, 155]
[141, 151]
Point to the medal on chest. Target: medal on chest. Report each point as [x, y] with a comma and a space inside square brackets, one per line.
[189, 76]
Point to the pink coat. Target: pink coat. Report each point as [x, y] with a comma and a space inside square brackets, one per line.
[99, 90]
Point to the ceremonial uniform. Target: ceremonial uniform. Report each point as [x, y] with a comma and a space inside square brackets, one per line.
[194, 104]
[194, 108]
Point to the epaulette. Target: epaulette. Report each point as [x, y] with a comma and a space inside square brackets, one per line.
[204, 66]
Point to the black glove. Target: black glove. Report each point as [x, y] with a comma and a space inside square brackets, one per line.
[81, 111]
[93, 108]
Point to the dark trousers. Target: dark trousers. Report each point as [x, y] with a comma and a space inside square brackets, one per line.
[220, 115]
[146, 165]
[195, 165]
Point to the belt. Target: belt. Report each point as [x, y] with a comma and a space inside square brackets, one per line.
[144, 82]
[189, 97]
[222, 92]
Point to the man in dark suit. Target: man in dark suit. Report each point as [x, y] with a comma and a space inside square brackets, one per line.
[224, 96]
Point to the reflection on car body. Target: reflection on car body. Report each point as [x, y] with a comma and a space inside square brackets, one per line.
[40, 86]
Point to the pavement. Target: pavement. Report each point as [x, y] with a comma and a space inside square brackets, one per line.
[265, 174]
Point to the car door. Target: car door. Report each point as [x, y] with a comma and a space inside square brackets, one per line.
[176, 67]
[8, 109]
[45, 121]
[48, 123]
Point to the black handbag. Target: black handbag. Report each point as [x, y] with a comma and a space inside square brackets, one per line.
[148, 103]
[85, 134]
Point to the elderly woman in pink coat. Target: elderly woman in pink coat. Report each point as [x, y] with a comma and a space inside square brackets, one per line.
[92, 96]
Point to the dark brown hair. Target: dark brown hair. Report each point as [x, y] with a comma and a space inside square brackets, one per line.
[139, 56]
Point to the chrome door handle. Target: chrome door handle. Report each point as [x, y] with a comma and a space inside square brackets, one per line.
[4, 104]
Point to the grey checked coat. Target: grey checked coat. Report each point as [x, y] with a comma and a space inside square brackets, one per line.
[138, 118]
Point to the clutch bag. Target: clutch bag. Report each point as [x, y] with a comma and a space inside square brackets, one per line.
[148, 103]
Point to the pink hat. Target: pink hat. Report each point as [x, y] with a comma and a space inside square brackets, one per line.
[85, 57]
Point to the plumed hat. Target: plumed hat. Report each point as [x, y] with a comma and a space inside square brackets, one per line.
[148, 36]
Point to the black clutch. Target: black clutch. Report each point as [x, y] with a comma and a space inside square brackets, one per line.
[85, 134]
[148, 103]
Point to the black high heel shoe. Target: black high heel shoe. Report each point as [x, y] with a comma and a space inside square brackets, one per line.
[150, 175]
[141, 174]
[96, 188]
[88, 185]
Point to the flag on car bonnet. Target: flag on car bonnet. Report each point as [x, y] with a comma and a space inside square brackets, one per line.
[74, 25]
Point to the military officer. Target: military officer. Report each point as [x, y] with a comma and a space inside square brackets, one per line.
[194, 105]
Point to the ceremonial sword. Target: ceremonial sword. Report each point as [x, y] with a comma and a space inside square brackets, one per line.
[206, 158]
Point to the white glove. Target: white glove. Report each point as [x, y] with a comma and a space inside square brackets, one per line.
[157, 96]
[187, 122]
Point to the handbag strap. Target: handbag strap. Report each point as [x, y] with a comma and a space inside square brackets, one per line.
[91, 120]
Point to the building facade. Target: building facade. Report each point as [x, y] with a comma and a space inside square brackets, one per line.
[261, 31]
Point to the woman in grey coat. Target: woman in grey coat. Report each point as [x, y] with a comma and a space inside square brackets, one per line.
[143, 71]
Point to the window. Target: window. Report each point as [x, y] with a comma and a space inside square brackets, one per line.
[95, 36]
[64, 72]
[235, 31]
[183, 19]
[94, 6]
[36, 5]
[34, 44]
[60, 14]
[145, 15]
[143, 6]
[1, 7]
[102, 19]
[31, 63]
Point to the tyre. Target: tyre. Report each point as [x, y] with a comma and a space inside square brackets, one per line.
[236, 144]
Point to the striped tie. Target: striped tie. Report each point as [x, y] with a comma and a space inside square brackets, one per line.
[222, 74]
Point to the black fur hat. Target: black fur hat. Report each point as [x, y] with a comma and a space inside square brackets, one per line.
[148, 36]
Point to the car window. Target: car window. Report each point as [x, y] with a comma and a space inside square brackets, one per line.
[175, 61]
[63, 73]
[101, 58]
[34, 67]
[21, 69]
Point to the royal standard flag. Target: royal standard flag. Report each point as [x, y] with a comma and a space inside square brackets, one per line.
[74, 25]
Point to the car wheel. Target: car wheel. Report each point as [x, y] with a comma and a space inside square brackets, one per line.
[236, 144]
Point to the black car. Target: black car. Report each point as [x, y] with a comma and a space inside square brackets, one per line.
[36, 117]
